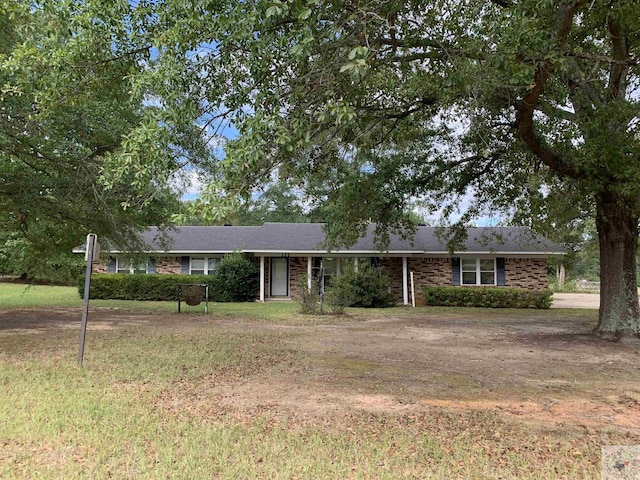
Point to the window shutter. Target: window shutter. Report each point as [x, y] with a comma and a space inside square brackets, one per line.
[184, 266]
[455, 270]
[111, 266]
[501, 278]
[151, 265]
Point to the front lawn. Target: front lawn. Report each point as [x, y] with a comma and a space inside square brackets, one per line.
[258, 391]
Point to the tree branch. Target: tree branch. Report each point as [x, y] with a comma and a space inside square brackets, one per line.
[557, 112]
[631, 62]
[618, 73]
[526, 107]
[114, 59]
[425, 101]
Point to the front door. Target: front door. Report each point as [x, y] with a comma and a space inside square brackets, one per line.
[279, 277]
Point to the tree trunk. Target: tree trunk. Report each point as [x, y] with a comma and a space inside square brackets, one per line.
[618, 237]
[560, 274]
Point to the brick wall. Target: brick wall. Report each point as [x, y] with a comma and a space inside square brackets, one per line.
[163, 265]
[529, 273]
[168, 265]
[297, 274]
[100, 267]
[428, 271]
[393, 269]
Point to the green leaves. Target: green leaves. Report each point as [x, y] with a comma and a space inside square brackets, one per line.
[357, 61]
[66, 105]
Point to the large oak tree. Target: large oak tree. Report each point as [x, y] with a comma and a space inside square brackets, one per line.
[376, 103]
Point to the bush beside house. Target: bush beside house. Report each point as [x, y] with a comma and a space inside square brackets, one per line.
[487, 297]
[366, 287]
[235, 280]
[123, 286]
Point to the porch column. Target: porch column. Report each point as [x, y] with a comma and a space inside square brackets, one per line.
[262, 278]
[405, 287]
[309, 272]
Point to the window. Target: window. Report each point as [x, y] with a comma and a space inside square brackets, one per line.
[336, 266]
[478, 271]
[347, 263]
[330, 271]
[203, 265]
[128, 266]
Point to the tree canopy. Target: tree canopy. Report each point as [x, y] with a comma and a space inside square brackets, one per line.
[66, 108]
[373, 104]
[378, 103]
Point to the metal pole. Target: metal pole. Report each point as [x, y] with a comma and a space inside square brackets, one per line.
[413, 291]
[91, 240]
[206, 292]
[321, 285]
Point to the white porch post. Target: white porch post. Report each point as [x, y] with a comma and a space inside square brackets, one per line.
[309, 272]
[262, 278]
[405, 288]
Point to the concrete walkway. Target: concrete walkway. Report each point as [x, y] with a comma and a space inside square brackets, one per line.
[576, 300]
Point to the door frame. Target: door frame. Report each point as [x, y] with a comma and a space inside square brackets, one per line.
[271, 270]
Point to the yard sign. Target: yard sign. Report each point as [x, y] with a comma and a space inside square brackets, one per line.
[92, 251]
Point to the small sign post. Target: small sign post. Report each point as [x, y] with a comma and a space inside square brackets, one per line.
[92, 251]
[413, 291]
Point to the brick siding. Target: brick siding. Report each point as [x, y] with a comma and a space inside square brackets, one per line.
[297, 275]
[392, 267]
[428, 271]
[168, 265]
[529, 273]
[101, 267]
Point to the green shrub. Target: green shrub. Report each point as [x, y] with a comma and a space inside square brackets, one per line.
[236, 279]
[308, 299]
[487, 297]
[337, 298]
[122, 286]
[366, 287]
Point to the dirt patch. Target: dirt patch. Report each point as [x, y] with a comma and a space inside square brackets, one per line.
[542, 368]
[576, 300]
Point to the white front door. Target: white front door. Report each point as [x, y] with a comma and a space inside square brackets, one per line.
[279, 277]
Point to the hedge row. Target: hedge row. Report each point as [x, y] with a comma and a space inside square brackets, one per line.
[122, 286]
[235, 280]
[487, 297]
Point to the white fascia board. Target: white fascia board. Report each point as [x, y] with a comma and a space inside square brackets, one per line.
[465, 253]
[334, 252]
[181, 252]
[507, 254]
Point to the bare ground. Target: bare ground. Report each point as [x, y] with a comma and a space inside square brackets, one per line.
[542, 368]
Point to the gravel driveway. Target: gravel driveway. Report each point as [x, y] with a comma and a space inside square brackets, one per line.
[576, 300]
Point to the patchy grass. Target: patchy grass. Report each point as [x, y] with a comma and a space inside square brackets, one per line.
[126, 415]
[257, 391]
[17, 295]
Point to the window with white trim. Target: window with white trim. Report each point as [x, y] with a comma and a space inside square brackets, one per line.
[124, 265]
[203, 265]
[337, 266]
[478, 271]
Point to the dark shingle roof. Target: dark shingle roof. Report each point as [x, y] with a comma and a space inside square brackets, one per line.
[308, 238]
